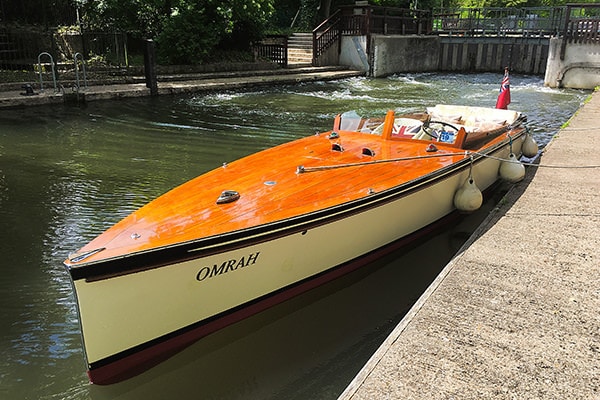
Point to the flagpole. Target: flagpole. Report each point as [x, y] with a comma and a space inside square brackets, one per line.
[504, 95]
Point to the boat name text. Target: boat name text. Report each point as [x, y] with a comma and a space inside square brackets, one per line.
[226, 266]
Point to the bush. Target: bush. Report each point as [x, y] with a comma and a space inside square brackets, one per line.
[187, 38]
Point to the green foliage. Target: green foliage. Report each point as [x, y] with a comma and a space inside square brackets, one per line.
[187, 31]
[188, 37]
[43, 13]
[308, 14]
[181, 42]
[247, 20]
[283, 15]
[143, 16]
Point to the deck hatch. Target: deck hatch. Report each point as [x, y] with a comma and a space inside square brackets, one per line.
[368, 152]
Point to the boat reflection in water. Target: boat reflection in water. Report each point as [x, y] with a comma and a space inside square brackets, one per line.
[251, 234]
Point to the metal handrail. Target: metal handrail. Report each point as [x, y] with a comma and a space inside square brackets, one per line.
[40, 70]
[578, 28]
[327, 33]
[499, 21]
[77, 69]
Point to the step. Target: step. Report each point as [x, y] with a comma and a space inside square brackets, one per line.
[300, 40]
[296, 61]
[292, 59]
[299, 51]
[294, 39]
[307, 46]
[296, 64]
[302, 34]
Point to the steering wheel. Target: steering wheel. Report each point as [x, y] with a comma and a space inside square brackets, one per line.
[432, 132]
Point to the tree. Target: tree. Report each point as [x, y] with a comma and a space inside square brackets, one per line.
[38, 12]
[187, 31]
[125, 15]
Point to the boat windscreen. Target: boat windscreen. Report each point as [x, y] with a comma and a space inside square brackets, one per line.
[350, 121]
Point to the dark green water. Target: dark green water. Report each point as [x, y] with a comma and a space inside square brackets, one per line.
[68, 173]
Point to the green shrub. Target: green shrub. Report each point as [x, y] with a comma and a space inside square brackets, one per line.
[187, 38]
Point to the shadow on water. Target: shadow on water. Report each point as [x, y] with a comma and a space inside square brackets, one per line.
[311, 346]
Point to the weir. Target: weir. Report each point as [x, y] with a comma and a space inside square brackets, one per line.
[561, 43]
[397, 54]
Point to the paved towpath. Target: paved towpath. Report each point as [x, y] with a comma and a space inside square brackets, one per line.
[516, 314]
[176, 85]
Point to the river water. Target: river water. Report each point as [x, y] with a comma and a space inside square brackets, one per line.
[68, 173]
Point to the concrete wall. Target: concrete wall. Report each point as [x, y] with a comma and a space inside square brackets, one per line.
[331, 56]
[580, 68]
[393, 54]
[354, 53]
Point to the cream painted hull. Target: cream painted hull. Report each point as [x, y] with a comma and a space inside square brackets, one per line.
[120, 313]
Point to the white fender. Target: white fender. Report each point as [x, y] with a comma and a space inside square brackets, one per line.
[468, 197]
[511, 169]
[529, 147]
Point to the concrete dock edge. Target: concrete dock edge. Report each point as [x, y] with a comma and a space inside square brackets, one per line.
[175, 85]
[515, 314]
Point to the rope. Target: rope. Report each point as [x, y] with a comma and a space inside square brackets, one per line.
[301, 169]
[568, 128]
[539, 165]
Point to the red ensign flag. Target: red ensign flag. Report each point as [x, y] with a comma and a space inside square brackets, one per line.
[504, 96]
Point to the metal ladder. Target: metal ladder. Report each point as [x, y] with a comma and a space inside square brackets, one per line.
[79, 55]
[40, 70]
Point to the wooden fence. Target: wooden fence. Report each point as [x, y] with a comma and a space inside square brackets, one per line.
[273, 48]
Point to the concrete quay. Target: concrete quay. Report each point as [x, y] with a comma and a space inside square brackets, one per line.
[515, 315]
[174, 84]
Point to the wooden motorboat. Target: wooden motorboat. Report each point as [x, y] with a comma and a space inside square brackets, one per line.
[262, 229]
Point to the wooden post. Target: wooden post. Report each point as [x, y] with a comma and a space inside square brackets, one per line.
[150, 67]
[388, 125]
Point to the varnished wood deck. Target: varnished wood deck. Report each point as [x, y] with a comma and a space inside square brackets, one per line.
[271, 189]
